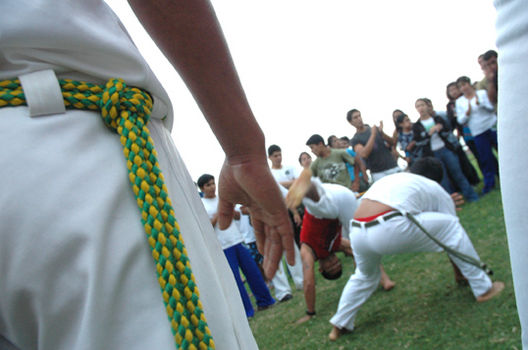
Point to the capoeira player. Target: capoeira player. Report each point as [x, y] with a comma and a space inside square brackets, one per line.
[381, 227]
[328, 211]
[76, 266]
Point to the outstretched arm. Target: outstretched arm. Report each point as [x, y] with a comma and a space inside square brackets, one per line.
[308, 262]
[189, 35]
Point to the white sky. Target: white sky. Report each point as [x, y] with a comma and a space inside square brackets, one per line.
[305, 63]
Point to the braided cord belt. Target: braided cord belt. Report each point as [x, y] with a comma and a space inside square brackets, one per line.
[126, 111]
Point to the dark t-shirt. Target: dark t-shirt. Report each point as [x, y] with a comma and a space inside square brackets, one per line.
[380, 159]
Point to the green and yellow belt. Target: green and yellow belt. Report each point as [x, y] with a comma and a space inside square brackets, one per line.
[126, 110]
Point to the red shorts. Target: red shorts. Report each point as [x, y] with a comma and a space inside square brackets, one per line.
[322, 235]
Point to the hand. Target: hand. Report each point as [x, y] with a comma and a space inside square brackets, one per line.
[380, 127]
[303, 319]
[297, 218]
[355, 185]
[248, 181]
[458, 199]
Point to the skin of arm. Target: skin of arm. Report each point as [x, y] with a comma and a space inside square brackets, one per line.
[298, 190]
[364, 151]
[386, 137]
[189, 35]
[308, 261]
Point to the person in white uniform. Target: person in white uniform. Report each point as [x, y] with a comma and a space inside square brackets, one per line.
[380, 227]
[76, 269]
[512, 44]
[329, 208]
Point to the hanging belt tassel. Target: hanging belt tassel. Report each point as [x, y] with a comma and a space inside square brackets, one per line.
[126, 111]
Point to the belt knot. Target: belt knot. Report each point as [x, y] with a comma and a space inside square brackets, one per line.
[119, 103]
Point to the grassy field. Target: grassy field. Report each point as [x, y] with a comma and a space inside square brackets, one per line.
[426, 309]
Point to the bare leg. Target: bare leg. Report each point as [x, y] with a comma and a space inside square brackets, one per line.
[459, 277]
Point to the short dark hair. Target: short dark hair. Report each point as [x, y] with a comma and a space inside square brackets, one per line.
[272, 149]
[315, 139]
[330, 139]
[349, 114]
[202, 180]
[345, 138]
[429, 167]
[327, 275]
[463, 79]
[489, 54]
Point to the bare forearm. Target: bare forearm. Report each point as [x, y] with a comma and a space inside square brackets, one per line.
[309, 291]
[189, 35]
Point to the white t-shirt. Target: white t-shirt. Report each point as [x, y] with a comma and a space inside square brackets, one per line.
[411, 193]
[244, 226]
[228, 237]
[482, 116]
[335, 202]
[285, 173]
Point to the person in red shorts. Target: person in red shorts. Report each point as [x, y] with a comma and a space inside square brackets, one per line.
[328, 211]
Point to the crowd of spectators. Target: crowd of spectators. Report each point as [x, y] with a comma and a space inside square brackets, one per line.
[464, 131]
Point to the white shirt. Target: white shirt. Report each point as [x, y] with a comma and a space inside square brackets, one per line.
[285, 173]
[335, 202]
[411, 193]
[228, 237]
[245, 228]
[482, 116]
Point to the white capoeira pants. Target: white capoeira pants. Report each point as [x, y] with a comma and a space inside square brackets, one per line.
[76, 269]
[512, 44]
[280, 280]
[400, 235]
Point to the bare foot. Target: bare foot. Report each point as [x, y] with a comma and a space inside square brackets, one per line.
[495, 289]
[387, 284]
[334, 333]
[385, 280]
[303, 319]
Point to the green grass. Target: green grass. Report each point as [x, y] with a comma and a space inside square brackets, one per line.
[426, 309]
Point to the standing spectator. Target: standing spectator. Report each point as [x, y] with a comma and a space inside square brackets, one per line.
[369, 144]
[250, 241]
[359, 169]
[237, 255]
[405, 138]
[483, 83]
[330, 165]
[305, 160]
[467, 168]
[475, 108]
[285, 175]
[431, 136]
[490, 60]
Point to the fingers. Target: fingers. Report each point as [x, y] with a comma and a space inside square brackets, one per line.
[225, 213]
[272, 252]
